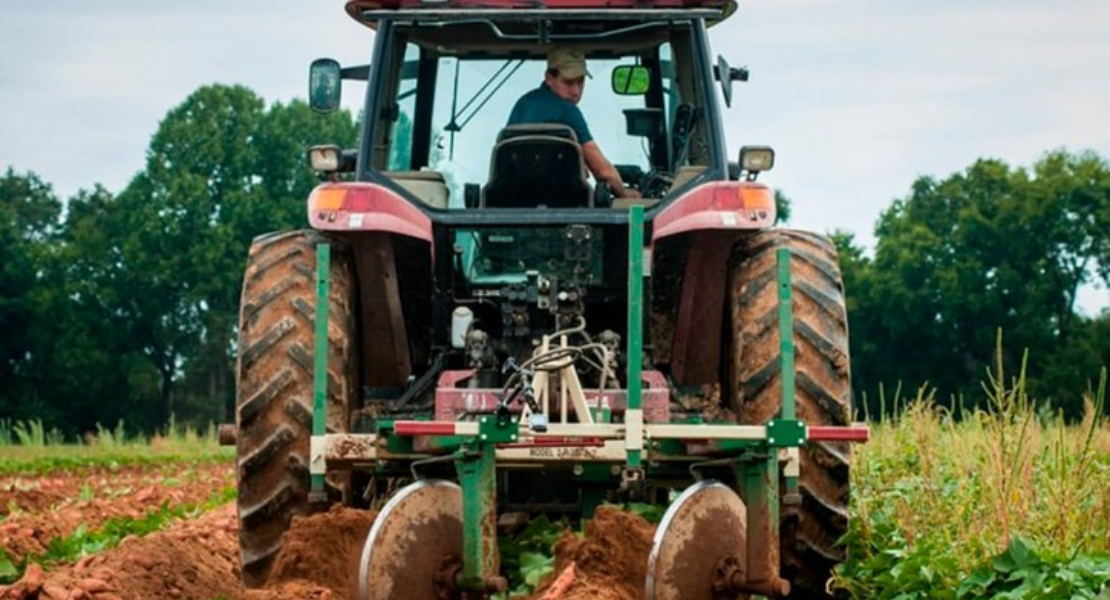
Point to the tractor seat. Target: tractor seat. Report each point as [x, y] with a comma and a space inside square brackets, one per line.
[537, 165]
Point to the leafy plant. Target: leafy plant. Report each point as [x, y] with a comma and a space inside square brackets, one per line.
[529, 555]
[999, 504]
[83, 542]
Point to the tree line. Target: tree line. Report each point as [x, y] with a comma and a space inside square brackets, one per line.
[124, 306]
[958, 260]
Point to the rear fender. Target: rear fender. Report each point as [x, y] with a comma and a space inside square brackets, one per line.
[717, 205]
[361, 206]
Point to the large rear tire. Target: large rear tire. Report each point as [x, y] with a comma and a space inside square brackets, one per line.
[810, 531]
[275, 387]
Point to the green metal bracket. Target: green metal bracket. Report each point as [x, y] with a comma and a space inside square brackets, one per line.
[477, 468]
[760, 492]
[786, 334]
[789, 411]
[783, 433]
[494, 430]
[320, 360]
[635, 316]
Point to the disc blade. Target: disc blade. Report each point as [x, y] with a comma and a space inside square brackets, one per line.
[418, 530]
[705, 524]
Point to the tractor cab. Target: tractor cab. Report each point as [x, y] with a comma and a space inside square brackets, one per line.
[445, 79]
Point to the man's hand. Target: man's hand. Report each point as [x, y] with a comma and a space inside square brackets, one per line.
[603, 170]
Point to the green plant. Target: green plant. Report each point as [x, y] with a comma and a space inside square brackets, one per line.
[997, 504]
[83, 542]
[528, 556]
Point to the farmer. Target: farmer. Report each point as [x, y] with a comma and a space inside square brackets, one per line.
[556, 101]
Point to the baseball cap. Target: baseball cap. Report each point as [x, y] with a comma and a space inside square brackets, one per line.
[571, 62]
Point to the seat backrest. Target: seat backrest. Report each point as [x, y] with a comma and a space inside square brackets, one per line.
[537, 165]
[553, 129]
[428, 186]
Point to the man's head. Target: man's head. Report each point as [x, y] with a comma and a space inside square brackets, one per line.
[566, 72]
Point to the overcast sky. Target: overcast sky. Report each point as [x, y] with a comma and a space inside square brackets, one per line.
[858, 97]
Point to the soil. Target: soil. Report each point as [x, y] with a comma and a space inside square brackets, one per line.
[608, 563]
[199, 560]
[37, 510]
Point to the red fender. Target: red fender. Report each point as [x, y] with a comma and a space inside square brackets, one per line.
[361, 206]
[717, 205]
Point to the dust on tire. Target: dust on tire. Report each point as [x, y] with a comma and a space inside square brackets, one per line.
[275, 387]
[823, 389]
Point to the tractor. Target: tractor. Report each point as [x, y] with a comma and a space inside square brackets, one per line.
[470, 329]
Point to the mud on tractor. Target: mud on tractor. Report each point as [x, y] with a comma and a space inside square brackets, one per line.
[470, 329]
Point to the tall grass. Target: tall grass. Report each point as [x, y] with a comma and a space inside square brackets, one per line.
[1001, 500]
[28, 447]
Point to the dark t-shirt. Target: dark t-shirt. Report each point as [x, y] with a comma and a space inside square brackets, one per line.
[542, 105]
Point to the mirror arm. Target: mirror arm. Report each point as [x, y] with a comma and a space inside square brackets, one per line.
[357, 73]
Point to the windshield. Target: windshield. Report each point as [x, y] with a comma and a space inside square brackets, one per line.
[449, 111]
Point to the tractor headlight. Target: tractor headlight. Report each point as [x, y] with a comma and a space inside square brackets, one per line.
[324, 159]
[754, 159]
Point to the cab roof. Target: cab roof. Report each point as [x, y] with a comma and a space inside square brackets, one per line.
[369, 12]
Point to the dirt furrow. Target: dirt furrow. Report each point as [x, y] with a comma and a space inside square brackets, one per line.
[56, 506]
[199, 560]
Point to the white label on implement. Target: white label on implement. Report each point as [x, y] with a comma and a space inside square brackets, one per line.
[634, 429]
[356, 220]
[728, 219]
[317, 464]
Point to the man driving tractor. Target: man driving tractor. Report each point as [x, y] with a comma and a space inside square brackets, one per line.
[556, 101]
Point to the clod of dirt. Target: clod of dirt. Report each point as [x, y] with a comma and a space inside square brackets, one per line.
[609, 563]
[319, 557]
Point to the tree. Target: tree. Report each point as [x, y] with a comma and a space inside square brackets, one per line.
[958, 259]
[220, 170]
[782, 208]
[29, 214]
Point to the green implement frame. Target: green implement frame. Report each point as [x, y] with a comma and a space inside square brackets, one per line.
[752, 453]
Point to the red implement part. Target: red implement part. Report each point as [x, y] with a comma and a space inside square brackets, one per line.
[453, 401]
[854, 433]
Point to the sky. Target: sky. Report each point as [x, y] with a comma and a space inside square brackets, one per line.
[858, 97]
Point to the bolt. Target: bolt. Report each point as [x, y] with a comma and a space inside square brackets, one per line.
[483, 437]
[578, 470]
[615, 470]
[770, 440]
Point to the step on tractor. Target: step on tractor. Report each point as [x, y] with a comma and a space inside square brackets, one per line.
[471, 333]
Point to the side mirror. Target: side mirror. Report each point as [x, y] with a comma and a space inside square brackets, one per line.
[726, 82]
[324, 85]
[631, 80]
[726, 75]
[754, 159]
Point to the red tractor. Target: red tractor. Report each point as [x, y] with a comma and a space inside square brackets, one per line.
[471, 327]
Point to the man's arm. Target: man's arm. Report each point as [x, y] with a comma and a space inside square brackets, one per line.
[603, 170]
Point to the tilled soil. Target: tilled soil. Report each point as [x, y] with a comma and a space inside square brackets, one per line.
[36, 510]
[198, 560]
[609, 563]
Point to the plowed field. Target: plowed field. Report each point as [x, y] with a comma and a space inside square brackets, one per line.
[198, 558]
